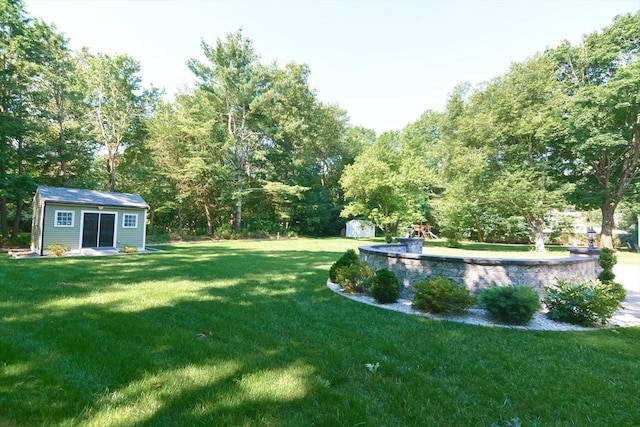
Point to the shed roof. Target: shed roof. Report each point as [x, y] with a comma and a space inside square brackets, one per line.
[90, 197]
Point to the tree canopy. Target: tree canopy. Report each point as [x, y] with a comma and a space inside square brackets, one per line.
[251, 149]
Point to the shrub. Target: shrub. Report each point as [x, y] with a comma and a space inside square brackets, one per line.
[586, 303]
[606, 276]
[453, 241]
[441, 295]
[58, 249]
[224, 232]
[607, 260]
[348, 258]
[385, 287]
[353, 278]
[510, 304]
[129, 249]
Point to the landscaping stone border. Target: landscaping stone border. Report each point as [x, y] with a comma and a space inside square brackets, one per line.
[474, 273]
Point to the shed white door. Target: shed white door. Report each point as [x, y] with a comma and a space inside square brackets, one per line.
[98, 230]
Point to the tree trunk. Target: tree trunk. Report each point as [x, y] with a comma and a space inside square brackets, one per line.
[608, 209]
[241, 166]
[538, 234]
[3, 217]
[112, 171]
[18, 219]
[152, 215]
[238, 218]
[4, 227]
[207, 214]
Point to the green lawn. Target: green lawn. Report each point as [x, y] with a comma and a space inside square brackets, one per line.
[245, 333]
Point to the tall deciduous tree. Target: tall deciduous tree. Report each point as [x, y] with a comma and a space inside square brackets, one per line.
[186, 140]
[117, 103]
[388, 183]
[236, 82]
[67, 151]
[601, 155]
[22, 55]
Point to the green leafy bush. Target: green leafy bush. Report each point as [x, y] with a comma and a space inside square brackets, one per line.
[224, 232]
[510, 304]
[438, 294]
[353, 278]
[385, 287]
[348, 258]
[58, 249]
[585, 303]
[606, 276]
[607, 260]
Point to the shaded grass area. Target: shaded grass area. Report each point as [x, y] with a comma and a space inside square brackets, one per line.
[246, 333]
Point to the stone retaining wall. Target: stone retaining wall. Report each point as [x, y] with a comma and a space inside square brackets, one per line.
[476, 273]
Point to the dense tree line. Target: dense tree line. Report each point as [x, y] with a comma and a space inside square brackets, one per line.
[251, 149]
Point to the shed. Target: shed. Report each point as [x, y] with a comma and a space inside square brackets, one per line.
[359, 228]
[87, 219]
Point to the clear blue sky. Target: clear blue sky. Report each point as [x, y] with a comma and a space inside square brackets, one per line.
[384, 62]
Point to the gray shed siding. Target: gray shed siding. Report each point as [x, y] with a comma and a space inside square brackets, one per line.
[69, 236]
[45, 231]
[72, 236]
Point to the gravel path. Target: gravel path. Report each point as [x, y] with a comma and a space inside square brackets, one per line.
[629, 276]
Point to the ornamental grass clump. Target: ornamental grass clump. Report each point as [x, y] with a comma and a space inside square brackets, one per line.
[58, 249]
[510, 304]
[440, 295]
[585, 303]
[384, 286]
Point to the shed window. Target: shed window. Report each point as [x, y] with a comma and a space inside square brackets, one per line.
[130, 221]
[64, 219]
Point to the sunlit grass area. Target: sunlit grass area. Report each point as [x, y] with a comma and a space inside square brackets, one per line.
[247, 333]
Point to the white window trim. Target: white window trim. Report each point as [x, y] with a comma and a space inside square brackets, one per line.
[124, 220]
[55, 219]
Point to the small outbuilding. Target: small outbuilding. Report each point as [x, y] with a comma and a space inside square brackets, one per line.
[87, 219]
[358, 228]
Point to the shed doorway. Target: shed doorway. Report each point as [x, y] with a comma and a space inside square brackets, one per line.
[98, 230]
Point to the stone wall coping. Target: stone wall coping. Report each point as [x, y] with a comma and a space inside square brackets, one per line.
[393, 251]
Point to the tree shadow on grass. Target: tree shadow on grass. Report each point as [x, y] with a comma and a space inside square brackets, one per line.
[255, 337]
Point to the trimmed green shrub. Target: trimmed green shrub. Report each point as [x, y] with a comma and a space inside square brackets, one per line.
[58, 249]
[510, 304]
[354, 277]
[606, 276]
[440, 295]
[586, 303]
[385, 287]
[607, 260]
[348, 258]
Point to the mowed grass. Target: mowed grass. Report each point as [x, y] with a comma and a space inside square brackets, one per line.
[246, 333]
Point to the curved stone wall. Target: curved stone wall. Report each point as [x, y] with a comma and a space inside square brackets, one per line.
[476, 273]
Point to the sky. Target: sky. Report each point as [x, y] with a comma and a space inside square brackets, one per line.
[383, 62]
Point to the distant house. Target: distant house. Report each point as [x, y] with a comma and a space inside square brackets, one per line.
[359, 228]
[87, 219]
